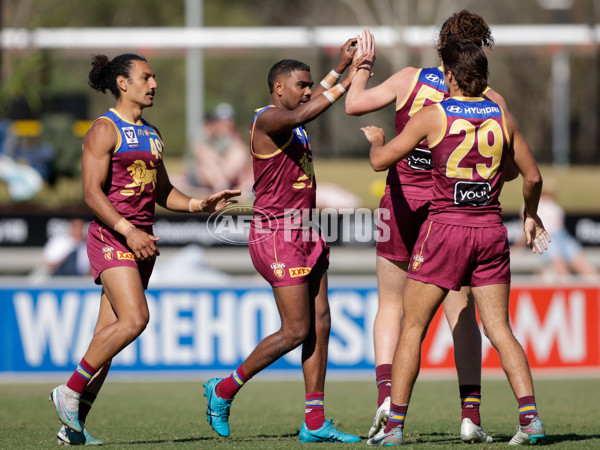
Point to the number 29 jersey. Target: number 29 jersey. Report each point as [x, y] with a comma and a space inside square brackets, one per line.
[467, 159]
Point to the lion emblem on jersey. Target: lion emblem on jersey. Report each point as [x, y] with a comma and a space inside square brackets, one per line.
[309, 173]
[142, 176]
[417, 262]
[278, 269]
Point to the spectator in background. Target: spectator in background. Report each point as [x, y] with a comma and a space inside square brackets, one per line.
[22, 180]
[222, 158]
[65, 253]
[566, 255]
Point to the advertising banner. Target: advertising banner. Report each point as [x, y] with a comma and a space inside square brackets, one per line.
[349, 227]
[213, 329]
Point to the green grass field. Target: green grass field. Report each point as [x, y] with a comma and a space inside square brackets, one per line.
[268, 414]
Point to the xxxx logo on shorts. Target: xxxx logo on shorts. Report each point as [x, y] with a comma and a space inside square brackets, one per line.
[418, 260]
[278, 269]
[125, 255]
[299, 271]
[108, 252]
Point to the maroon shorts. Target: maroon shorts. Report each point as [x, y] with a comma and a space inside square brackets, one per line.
[399, 222]
[107, 248]
[287, 257]
[451, 256]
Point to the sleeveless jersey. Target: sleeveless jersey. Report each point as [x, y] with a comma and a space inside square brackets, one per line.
[413, 173]
[467, 163]
[131, 181]
[284, 180]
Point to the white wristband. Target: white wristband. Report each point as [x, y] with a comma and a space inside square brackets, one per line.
[330, 78]
[191, 208]
[329, 97]
[334, 93]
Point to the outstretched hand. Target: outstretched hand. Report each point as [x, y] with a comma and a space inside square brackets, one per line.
[366, 49]
[220, 200]
[536, 235]
[374, 135]
[347, 52]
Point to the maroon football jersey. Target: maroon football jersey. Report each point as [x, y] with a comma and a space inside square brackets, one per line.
[467, 163]
[413, 173]
[131, 182]
[284, 180]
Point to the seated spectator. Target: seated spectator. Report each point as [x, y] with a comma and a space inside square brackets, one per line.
[565, 255]
[65, 253]
[22, 180]
[222, 160]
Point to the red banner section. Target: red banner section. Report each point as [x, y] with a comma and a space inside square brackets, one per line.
[558, 326]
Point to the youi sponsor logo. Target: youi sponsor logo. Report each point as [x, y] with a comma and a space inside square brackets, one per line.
[232, 225]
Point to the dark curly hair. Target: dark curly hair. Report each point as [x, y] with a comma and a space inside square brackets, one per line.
[104, 72]
[466, 25]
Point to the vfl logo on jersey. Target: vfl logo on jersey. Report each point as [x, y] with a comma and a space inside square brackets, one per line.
[278, 269]
[108, 252]
[125, 255]
[432, 77]
[141, 177]
[420, 159]
[454, 109]
[417, 261]
[299, 271]
[472, 193]
[130, 137]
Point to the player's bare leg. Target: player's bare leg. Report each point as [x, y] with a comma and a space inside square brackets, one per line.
[314, 366]
[124, 290]
[492, 304]
[294, 308]
[391, 278]
[106, 316]
[459, 307]
[315, 347]
[293, 304]
[421, 301]
[66, 436]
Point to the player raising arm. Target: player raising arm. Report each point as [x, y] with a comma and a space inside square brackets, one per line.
[405, 204]
[470, 138]
[292, 258]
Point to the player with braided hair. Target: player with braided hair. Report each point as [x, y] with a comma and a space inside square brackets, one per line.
[123, 179]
